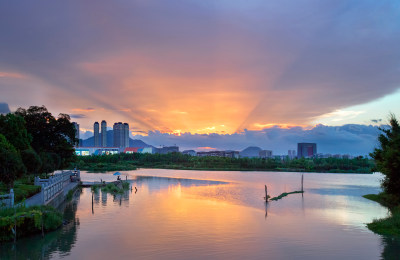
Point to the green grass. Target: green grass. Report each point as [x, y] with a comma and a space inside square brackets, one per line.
[112, 188]
[284, 195]
[23, 189]
[387, 226]
[107, 167]
[28, 221]
[390, 225]
[384, 199]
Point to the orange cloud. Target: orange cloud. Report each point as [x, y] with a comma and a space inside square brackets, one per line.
[83, 109]
[11, 75]
[284, 126]
[206, 148]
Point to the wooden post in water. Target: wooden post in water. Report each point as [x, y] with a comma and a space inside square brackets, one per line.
[92, 203]
[302, 182]
[266, 193]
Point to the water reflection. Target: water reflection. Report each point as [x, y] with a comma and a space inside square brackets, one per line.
[180, 217]
[60, 241]
[391, 248]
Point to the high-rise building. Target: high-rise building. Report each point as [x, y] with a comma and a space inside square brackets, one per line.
[103, 133]
[306, 150]
[96, 134]
[121, 135]
[76, 126]
[117, 132]
[126, 135]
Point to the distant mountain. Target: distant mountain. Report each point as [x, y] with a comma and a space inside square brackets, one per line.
[110, 141]
[251, 151]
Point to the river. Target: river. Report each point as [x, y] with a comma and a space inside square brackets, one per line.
[178, 214]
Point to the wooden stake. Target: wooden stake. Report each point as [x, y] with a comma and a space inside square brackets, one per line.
[266, 193]
[302, 182]
[92, 204]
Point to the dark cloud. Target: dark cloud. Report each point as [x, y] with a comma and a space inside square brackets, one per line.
[77, 116]
[348, 139]
[4, 109]
[296, 59]
[376, 121]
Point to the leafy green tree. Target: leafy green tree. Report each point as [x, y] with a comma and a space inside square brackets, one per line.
[11, 165]
[48, 164]
[50, 134]
[31, 161]
[387, 157]
[13, 128]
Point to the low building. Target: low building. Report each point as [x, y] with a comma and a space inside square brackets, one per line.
[167, 149]
[265, 154]
[85, 151]
[151, 150]
[229, 154]
[292, 154]
[132, 149]
[189, 152]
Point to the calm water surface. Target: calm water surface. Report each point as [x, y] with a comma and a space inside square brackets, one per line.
[179, 214]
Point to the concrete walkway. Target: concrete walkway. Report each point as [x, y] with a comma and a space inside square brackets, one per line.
[36, 199]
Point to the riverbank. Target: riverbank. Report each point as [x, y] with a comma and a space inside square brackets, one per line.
[23, 221]
[391, 224]
[177, 161]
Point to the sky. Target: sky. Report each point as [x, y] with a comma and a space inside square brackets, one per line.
[175, 70]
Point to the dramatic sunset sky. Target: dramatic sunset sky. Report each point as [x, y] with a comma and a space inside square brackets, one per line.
[231, 69]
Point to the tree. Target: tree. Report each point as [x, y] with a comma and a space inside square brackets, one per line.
[387, 157]
[47, 163]
[31, 161]
[14, 129]
[50, 134]
[11, 165]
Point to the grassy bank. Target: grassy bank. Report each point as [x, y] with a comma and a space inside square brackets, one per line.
[120, 162]
[23, 188]
[28, 221]
[391, 224]
[107, 167]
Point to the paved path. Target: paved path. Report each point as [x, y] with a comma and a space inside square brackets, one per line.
[37, 198]
[34, 200]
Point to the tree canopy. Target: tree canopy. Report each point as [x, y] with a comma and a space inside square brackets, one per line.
[387, 157]
[14, 129]
[11, 165]
[49, 134]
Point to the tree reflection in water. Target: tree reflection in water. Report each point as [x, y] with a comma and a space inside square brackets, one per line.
[61, 240]
[391, 248]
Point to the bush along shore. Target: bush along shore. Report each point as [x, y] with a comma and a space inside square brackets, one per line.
[23, 221]
[391, 224]
[120, 162]
[114, 188]
[387, 158]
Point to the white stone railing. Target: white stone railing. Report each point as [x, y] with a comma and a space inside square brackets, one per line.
[53, 185]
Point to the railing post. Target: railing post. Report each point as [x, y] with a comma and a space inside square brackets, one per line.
[11, 198]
